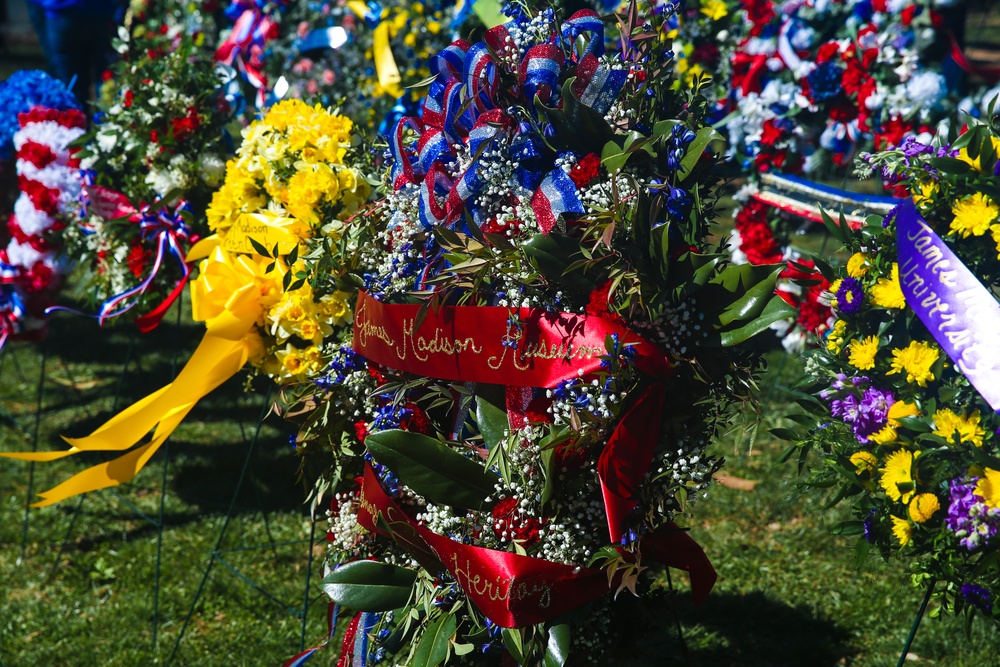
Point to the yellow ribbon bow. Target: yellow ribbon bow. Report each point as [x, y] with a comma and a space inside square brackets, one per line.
[230, 296]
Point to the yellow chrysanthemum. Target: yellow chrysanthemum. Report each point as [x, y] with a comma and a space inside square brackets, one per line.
[902, 409]
[835, 339]
[947, 423]
[864, 462]
[887, 293]
[898, 471]
[887, 435]
[923, 506]
[902, 530]
[915, 360]
[861, 353]
[715, 9]
[858, 265]
[989, 487]
[973, 215]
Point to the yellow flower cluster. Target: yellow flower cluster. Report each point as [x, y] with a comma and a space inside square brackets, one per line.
[291, 162]
[288, 179]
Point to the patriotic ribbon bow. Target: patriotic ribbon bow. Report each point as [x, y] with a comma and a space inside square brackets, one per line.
[463, 107]
[245, 46]
[12, 309]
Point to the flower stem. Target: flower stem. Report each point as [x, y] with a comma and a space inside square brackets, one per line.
[916, 624]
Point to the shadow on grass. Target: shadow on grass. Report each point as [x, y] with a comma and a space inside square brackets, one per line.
[753, 630]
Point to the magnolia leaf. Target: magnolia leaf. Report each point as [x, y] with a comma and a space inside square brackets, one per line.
[775, 310]
[434, 643]
[515, 643]
[368, 585]
[492, 421]
[557, 650]
[431, 469]
[752, 303]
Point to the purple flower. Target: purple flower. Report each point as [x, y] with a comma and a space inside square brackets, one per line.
[869, 526]
[978, 596]
[973, 521]
[845, 408]
[873, 411]
[850, 295]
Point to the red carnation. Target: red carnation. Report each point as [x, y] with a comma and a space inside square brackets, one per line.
[906, 16]
[827, 51]
[770, 134]
[586, 170]
[506, 518]
[416, 421]
[137, 259]
[128, 98]
[37, 154]
[361, 429]
[598, 306]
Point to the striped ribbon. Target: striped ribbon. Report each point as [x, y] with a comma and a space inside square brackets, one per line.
[464, 107]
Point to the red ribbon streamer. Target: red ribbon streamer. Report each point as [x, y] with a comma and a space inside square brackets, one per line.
[512, 590]
[989, 74]
[482, 344]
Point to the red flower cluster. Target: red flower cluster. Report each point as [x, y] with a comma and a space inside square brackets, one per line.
[507, 519]
[756, 239]
[586, 170]
[185, 126]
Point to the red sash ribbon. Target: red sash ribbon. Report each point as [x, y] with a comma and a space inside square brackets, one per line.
[513, 590]
[484, 344]
[519, 348]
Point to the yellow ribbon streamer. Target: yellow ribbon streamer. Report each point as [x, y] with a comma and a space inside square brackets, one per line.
[385, 63]
[228, 296]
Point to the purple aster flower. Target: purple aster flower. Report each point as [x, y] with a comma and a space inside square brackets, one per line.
[973, 521]
[978, 596]
[850, 295]
[873, 411]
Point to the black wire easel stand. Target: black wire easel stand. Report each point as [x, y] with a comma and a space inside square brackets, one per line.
[218, 553]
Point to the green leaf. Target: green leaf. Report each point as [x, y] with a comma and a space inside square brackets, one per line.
[433, 647]
[784, 434]
[492, 421]
[752, 302]
[258, 247]
[848, 528]
[552, 255]
[776, 310]
[950, 165]
[557, 651]
[832, 226]
[431, 469]
[694, 150]
[368, 585]
[515, 644]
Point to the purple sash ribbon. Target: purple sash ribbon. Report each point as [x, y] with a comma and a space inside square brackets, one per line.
[962, 315]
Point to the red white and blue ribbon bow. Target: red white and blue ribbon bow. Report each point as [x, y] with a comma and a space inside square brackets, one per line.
[245, 46]
[169, 231]
[466, 106]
